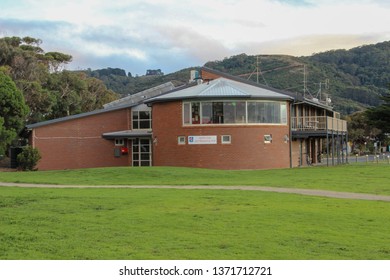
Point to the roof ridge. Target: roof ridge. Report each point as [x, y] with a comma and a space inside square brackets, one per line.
[222, 83]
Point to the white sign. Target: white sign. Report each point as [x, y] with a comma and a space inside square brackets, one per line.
[204, 139]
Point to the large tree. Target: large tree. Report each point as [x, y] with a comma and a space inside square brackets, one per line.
[380, 115]
[13, 110]
[49, 91]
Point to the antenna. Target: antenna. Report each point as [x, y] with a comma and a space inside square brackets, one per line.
[304, 80]
[258, 71]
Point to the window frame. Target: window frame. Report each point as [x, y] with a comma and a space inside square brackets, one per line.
[119, 142]
[138, 120]
[267, 138]
[269, 106]
[226, 141]
[181, 140]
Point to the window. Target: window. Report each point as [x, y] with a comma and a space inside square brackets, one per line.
[181, 140]
[226, 139]
[186, 113]
[142, 119]
[119, 142]
[268, 138]
[234, 112]
[266, 112]
[195, 112]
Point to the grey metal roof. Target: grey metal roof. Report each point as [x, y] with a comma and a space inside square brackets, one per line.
[221, 88]
[126, 102]
[127, 134]
[298, 97]
[72, 117]
[141, 96]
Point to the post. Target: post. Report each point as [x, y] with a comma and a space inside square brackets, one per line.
[333, 141]
[327, 142]
[290, 134]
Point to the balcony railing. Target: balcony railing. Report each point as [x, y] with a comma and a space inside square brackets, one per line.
[318, 123]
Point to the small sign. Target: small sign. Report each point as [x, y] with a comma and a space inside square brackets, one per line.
[203, 139]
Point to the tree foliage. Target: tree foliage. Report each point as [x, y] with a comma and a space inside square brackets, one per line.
[13, 110]
[380, 116]
[28, 158]
[49, 90]
[360, 132]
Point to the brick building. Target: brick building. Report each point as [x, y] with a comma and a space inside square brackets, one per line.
[218, 121]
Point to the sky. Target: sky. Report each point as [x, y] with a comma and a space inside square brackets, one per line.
[136, 35]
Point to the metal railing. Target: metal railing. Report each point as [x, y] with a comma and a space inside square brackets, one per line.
[315, 123]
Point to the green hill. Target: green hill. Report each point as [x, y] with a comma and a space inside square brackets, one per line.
[354, 79]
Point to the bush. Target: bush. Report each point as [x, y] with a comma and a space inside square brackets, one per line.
[28, 158]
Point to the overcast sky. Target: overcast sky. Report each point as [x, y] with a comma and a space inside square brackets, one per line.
[174, 34]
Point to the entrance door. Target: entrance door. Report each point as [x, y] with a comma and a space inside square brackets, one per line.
[142, 152]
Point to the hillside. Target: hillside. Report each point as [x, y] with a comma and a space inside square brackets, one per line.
[354, 79]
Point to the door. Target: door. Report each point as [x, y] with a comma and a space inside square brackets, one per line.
[142, 152]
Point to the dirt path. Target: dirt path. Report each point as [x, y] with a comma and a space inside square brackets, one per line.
[324, 193]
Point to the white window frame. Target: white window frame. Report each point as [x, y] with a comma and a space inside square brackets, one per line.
[119, 142]
[268, 138]
[188, 104]
[223, 141]
[181, 140]
[138, 120]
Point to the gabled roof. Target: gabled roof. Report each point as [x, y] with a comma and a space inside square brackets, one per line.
[221, 88]
[140, 97]
[78, 116]
[126, 102]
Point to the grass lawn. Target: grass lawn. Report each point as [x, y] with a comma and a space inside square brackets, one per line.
[104, 223]
[364, 178]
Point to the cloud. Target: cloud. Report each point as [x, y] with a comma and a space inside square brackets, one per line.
[309, 44]
[137, 35]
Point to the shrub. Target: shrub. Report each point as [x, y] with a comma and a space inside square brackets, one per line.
[28, 158]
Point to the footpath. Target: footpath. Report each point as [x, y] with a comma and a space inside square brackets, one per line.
[323, 193]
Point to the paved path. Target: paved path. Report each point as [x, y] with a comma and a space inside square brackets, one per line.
[324, 193]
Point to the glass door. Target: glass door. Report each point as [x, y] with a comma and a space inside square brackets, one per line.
[142, 152]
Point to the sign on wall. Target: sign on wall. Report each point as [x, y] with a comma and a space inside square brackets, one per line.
[203, 139]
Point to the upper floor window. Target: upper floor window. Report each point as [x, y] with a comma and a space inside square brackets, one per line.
[234, 112]
[142, 119]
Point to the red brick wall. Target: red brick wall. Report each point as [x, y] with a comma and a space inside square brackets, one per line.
[209, 76]
[246, 151]
[78, 143]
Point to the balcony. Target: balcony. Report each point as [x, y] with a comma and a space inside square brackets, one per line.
[317, 126]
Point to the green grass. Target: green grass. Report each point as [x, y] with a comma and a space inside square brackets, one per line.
[364, 178]
[102, 223]
[172, 224]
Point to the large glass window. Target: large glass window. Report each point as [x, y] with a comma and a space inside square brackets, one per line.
[235, 112]
[142, 119]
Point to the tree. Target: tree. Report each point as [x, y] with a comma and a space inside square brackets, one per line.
[49, 91]
[13, 110]
[380, 115]
[360, 132]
